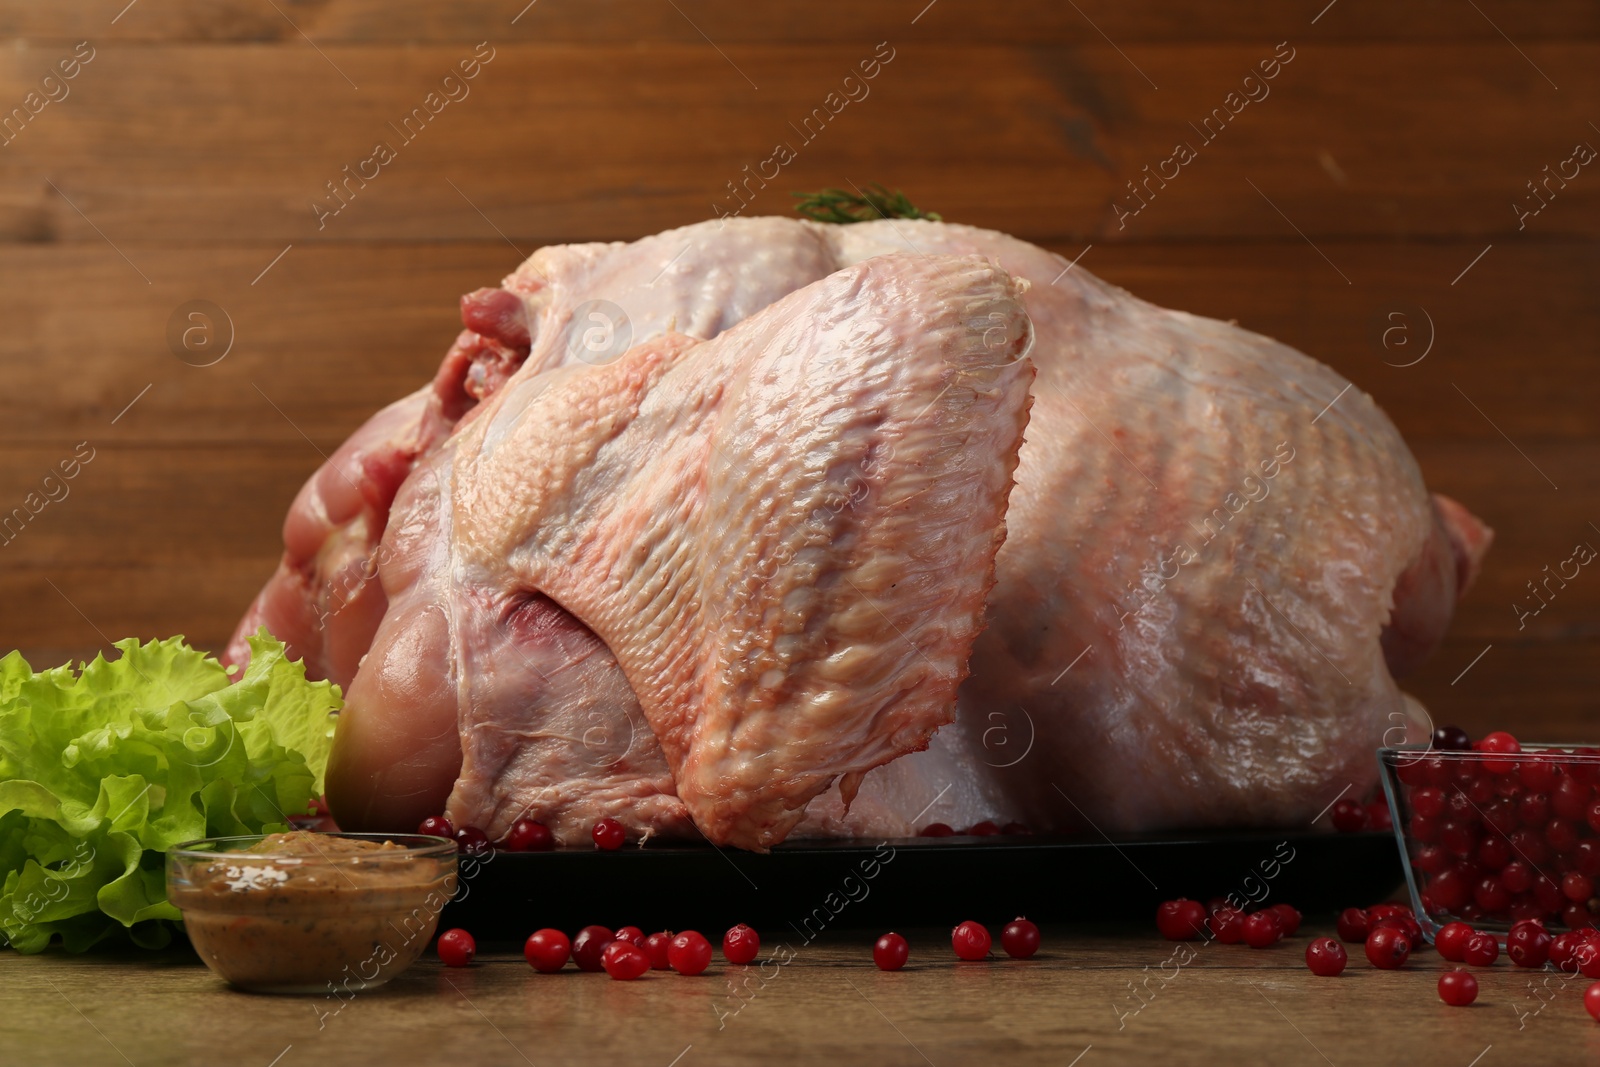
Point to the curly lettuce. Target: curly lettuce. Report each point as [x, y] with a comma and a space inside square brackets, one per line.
[103, 769]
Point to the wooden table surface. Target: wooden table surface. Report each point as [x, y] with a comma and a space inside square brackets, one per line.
[1363, 212]
[1074, 1005]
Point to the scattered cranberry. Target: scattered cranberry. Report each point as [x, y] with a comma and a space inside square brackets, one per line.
[1405, 924]
[473, 841]
[608, 834]
[631, 934]
[547, 950]
[1181, 919]
[1227, 925]
[1387, 948]
[1020, 938]
[1349, 816]
[741, 944]
[1451, 738]
[1458, 988]
[689, 953]
[1354, 925]
[1290, 916]
[529, 836]
[890, 952]
[1262, 929]
[456, 948]
[937, 829]
[1480, 950]
[1563, 948]
[1591, 1000]
[1389, 909]
[1326, 957]
[655, 946]
[624, 961]
[437, 826]
[1451, 940]
[986, 828]
[970, 940]
[589, 944]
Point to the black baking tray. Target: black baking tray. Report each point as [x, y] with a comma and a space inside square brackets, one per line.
[808, 886]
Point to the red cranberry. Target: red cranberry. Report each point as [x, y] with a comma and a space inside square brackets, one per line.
[1501, 817]
[1451, 738]
[1326, 957]
[1427, 802]
[1577, 887]
[1450, 890]
[437, 826]
[1349, 816]
[589, 944]
[1517, 877]
[1458, 988]
[1227, 925]
[631, 934]
[608, 834]
[1354, 925]
[1262, 929]
[1430, 859]
[1538, 773]
[1387, 948]
[547, 950]
[971, 940]
[473, 841]
[1491, 895]
[1181, 919]
[891, 952]
[1528, 945]
[624, 961]
[937, 829]
[1461, 838]
[655, 946]
[1500, 743]
[1020, 938]
[456, 948]
[1587, 957]
[1389, 909]
[689, 953]
[1494, 853]
[1534, 809]
[1290, 916]
[1571, 799]
[741, 944]
[1563, 949]
[1451, 940]
[1480, 950]
[1406, 924]
[986, 828]
[529, 836]
[1591, 1000]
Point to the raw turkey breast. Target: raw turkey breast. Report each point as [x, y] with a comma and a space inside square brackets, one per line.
[1219, 559]
[785, 537]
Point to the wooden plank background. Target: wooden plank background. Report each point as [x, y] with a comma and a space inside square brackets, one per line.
[1378, 176]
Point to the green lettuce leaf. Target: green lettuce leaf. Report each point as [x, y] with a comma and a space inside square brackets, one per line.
[104, 768]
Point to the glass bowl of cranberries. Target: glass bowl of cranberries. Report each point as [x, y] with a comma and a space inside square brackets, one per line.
[1494, 831]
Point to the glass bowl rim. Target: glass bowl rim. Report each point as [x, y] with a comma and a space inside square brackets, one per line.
[412, 846]
[1558, 750]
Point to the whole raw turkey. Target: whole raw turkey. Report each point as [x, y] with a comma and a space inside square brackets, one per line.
[1216, 562]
